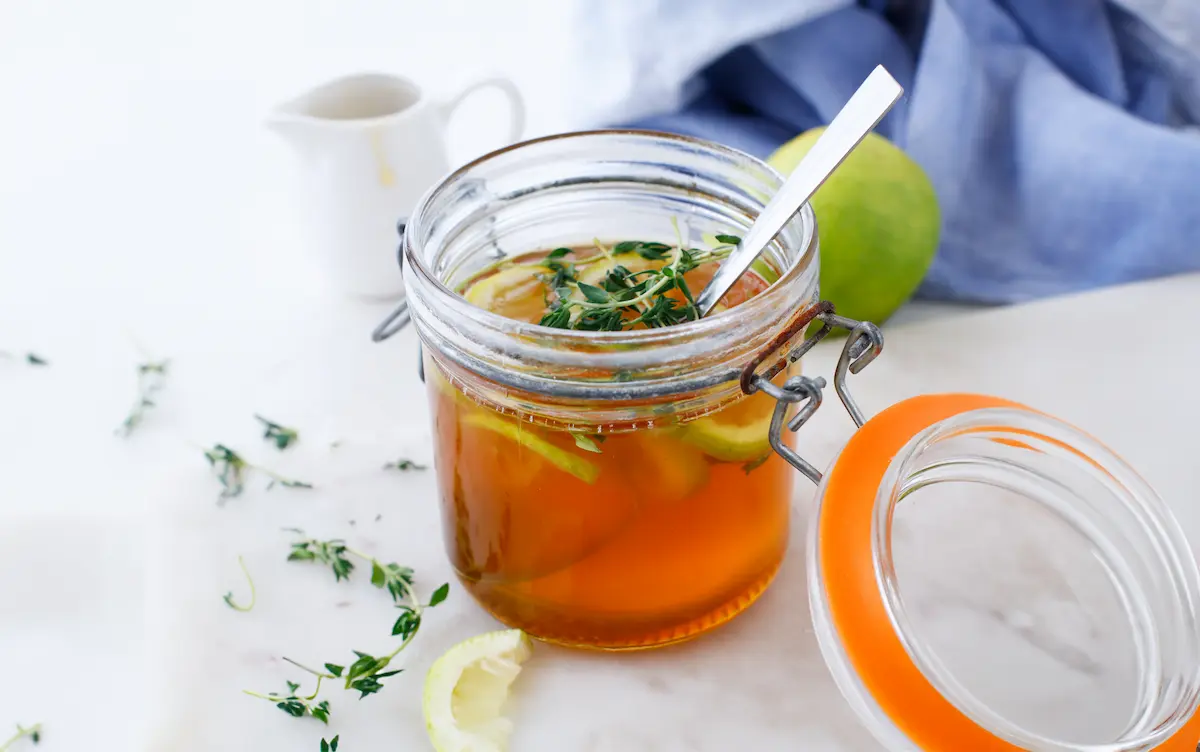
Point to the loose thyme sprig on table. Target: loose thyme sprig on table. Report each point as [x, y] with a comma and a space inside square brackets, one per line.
[626, 298]
[151, 377]
[364, 675]
[33, 733]
[403, 465]
[228, 597]
[32, 359]
[231, 470]
[283, 436]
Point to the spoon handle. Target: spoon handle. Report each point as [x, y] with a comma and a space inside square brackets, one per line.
[849, 127]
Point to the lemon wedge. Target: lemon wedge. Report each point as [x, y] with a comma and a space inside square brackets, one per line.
[466, 688]
[586, 471]
[729, 441]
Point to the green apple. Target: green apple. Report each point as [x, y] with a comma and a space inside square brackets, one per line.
[878, 221]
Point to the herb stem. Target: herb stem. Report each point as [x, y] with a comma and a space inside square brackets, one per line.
[34, 733]
[253, 594]
[409, 594]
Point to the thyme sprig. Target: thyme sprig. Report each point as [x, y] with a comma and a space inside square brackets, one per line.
[228, 597]
[625, 298]
[32, 359]
[231, 470]
[283, 436]
[296, 705]
[33, 733]
[329, 746]
[404, 465]
[151, 376]
[365, 674]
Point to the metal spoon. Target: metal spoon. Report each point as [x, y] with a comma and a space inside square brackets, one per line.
[849, 127]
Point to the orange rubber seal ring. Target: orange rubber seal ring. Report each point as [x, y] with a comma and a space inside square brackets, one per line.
[856, 606]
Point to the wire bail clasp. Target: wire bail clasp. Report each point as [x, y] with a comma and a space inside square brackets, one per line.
[863, 345]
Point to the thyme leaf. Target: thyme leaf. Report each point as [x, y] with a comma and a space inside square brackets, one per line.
[151, 377]
[587, 443]
[283, 436]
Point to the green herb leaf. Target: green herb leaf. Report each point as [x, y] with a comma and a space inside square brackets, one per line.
[585, 442]
[558, 253]
[334, 669]
[406, 624]
[593, 293]
[281, 435]
[321, 712]
[557, 318]
[439, 595]
[34, 359]
[729, 239]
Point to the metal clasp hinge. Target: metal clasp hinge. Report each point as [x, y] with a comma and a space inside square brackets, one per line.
[863, 345]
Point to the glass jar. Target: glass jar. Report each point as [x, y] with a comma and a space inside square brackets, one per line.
[985, 577]
[611, 490]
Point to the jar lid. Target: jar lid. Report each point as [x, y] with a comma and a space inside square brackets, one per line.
[983, 576]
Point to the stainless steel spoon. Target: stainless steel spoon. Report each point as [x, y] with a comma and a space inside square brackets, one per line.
[849, 127]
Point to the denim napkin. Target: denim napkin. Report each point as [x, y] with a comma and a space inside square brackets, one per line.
[1058, 133]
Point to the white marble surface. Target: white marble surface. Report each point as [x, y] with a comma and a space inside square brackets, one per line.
[75, 610]
[144, 213]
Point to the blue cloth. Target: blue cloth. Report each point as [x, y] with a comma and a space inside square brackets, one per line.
[1055, 132]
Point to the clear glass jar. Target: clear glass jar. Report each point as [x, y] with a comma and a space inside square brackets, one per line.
[680, 520]
[985, 577]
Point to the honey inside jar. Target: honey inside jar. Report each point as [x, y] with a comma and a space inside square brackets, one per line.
[618, 536]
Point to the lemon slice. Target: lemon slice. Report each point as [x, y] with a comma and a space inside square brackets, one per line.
[729, 441]
[560, 458]
[504, 287]
[678, 470]
[466, 688]
[596, 272]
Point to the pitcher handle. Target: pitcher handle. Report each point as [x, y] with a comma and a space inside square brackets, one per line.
[516, 103]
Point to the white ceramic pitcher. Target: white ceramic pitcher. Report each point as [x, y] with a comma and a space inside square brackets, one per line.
[370, 146]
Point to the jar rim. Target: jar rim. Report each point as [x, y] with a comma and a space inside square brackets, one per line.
[644, 337]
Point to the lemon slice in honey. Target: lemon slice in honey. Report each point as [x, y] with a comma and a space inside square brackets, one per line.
[466, 688]
[723, 438]
[515, 292]
[562, 459]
